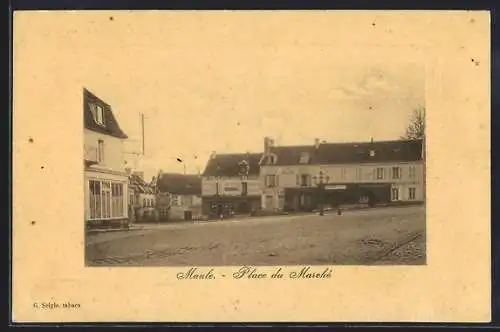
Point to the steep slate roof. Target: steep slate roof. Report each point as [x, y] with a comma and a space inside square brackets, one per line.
[228, 165]
[350, 153]
[383, 151]
[288, 155]
[136, 183]
[179, 184]
[110, 127]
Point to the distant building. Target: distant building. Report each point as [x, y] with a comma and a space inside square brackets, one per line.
[106, 182]
[231, 184]
[181, 193]
[352, 173]
[142, 196]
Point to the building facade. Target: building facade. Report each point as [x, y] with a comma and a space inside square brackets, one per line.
[180, 196]
[298, 178]
[142, 198]
[231, 184]
[106, 182]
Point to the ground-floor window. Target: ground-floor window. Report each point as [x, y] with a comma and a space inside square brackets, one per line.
[106, 199]
[305, 199]
[412, 193]
[395, 194]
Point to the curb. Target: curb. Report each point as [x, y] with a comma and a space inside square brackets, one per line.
[91, 232]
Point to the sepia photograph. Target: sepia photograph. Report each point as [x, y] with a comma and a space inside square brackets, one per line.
[267, 165]
[311, 158]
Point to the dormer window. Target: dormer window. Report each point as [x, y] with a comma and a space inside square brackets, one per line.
[272, 159]
[372, 153]
[97, 113]
[244, 168]
[304, 158]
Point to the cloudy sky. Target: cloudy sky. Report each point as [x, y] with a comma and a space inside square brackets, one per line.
[221, 82]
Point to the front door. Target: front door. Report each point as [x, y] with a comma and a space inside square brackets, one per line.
[269, 202]
[304, 202]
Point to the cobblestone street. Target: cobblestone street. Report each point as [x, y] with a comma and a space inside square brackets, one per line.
[386, 236]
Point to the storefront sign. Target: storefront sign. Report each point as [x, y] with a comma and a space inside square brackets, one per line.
[335, 187]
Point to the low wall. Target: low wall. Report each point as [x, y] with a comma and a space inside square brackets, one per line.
[107, 224]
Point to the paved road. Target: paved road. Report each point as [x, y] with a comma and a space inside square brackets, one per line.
[378, 236]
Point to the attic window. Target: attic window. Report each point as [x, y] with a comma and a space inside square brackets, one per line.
[372, 153]
[272, 159]
[304, 158]
[97, 114]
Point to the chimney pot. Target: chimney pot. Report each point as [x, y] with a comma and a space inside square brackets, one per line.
[268, 144]
[316, 142]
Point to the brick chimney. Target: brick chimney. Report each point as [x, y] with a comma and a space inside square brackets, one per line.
[268, 144]
[316, 143]
[213, 155]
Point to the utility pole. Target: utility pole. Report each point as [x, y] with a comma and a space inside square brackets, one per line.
[142, 127]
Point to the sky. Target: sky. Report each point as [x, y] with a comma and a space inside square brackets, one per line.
[207, 83]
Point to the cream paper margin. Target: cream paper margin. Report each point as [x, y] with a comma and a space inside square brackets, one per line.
[48, 256]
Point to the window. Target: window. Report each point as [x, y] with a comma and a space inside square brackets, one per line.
[396, 173]
[372, 153]
[244, 188]
[304, 158]
[412, 193]
[380, 173]
[144, 202]
[343, 173]
[395, 194]
[97, 113]
[305, 200]
[359, 174]
[116, 199]
[305, 180]
[412, 172]
[100, 150]
[271, 181]
[106, 200]
[272, 159]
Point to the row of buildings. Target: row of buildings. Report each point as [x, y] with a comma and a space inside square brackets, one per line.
[279, 178]
[300, 178]
[114, 194]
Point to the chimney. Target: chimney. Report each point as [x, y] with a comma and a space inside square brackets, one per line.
[213, 154]
[128, 170]
[268, 144]
[316, 143]
[371, 140]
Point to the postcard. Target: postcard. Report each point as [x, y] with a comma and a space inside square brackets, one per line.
[251, 166]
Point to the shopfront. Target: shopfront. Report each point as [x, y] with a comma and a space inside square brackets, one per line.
[227, 206]
[106, 199]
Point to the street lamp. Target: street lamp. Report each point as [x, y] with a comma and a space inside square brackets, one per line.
[320, 180]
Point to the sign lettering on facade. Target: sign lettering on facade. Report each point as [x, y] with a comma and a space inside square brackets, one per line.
[335, 187]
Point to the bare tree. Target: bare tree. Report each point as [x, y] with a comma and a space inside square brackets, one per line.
[416, 127]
